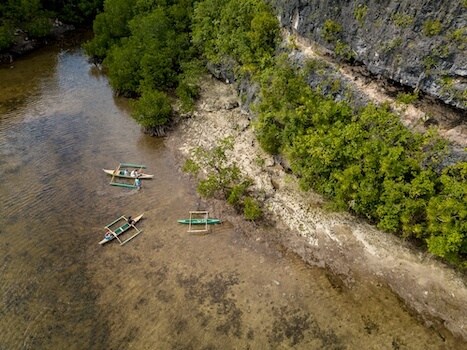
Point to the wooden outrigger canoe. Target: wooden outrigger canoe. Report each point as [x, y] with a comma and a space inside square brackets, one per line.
[199, 218]
[119, 172]
[121, 225]
[199, 221]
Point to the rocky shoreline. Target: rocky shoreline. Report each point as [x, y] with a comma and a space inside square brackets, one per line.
[355, 252]
[23, 44]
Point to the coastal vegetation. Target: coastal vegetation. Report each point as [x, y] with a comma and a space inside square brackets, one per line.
[222, 178]
[146, 48]
[362, 160]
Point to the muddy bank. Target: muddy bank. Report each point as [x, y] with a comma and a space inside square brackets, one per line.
[355, 253]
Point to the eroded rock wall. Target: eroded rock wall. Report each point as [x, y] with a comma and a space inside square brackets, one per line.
[419, 44]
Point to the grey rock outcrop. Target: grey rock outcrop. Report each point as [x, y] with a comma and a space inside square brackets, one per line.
[419, 44]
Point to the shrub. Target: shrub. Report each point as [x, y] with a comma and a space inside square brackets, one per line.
[441, 51]
[393, 44]
[458, 36]
[432, 27]
[429, 62]
[152, 109]
[447, 215]
[187, 94]
[191, 167]
[251, 210]
[6, 37]
[39, 27]
[243, 30]
[343, 50]
[403, 21]
[407, 97]
[123, 64]
[188, 89]
[330, 30]
[360, 13]
[222, 178]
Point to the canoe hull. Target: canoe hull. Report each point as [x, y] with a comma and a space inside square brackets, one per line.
[199, 221]
[141, 175]
[125, 227]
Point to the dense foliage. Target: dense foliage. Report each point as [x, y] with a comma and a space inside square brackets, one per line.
[153, 110]
[35, 16]
[145, 44]
[244, 30]
[364, 161]
[155, 45]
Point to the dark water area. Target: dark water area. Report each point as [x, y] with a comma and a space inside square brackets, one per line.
[60, 124]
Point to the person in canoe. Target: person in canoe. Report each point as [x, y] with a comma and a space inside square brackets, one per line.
[131, 221]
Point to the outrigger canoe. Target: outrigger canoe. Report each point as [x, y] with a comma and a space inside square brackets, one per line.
[199, 218]
[120, 174]
[120, 171]
[199, 221]
[119, 226]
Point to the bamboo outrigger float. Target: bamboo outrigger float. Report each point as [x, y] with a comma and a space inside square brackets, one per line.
[121, 225]
[121, 172]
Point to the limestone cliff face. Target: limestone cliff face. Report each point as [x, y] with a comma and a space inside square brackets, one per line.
[420, 44]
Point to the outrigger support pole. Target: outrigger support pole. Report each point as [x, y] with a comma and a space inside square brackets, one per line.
[130, 238]
[116, 171]
[115, 235]
[199, 213]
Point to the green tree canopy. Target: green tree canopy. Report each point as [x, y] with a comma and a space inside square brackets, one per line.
[110, 26]
[153, 109]
[143, 43]
[244, 30]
